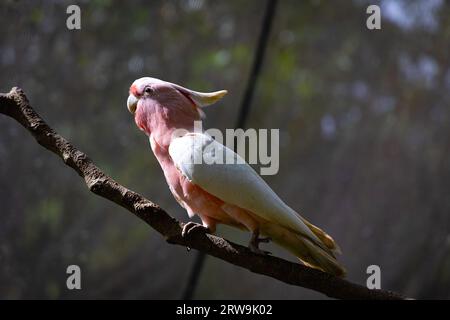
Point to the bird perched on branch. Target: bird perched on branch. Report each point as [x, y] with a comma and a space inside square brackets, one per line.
[228, 193]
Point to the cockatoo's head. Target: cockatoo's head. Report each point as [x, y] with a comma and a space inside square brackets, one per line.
[150, 92]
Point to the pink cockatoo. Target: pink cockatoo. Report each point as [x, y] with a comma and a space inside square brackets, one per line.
[229, 193]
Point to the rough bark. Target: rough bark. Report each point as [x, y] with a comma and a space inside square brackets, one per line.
[16, 105]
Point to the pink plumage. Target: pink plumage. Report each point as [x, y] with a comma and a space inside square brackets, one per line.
[161, 109]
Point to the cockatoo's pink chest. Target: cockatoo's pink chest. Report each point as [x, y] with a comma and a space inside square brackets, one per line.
[193, 198]
[173, 176]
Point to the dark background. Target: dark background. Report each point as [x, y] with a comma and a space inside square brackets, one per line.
[365, 139]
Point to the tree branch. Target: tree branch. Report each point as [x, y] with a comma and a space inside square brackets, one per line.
[15, 104]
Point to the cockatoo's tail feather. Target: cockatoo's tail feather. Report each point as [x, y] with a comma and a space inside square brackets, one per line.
[304, 249]
[324, 237]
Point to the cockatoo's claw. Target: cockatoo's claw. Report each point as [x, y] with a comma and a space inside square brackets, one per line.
[255, 241]
[190, 226]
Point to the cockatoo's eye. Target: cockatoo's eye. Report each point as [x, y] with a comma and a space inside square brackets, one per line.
[148, 91]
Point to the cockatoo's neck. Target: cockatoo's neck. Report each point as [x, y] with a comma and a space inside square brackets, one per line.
[164, 124]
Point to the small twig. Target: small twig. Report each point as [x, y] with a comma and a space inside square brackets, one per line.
[15, 104]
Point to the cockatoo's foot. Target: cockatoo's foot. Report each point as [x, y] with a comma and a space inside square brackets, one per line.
[255, 241]
[190, 226]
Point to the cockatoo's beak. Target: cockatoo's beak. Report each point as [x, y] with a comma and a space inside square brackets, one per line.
[132, 103]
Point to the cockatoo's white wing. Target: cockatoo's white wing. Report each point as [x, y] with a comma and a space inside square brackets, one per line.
[224, 174]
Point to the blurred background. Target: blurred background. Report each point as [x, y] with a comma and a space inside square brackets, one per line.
[363, 118]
